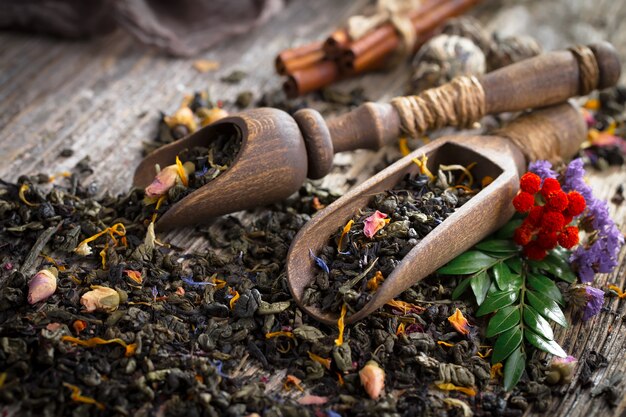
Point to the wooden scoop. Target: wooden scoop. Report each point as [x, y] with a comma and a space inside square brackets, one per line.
[496, 156]
[279, 151]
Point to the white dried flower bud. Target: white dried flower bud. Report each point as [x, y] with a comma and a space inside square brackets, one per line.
[100, 299]
[373, 379]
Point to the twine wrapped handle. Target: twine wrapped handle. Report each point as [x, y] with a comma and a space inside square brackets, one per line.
[535, 82]
[462, 102]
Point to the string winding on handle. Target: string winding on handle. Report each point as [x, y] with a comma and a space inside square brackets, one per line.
[460, 103]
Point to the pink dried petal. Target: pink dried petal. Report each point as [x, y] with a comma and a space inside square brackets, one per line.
[41, 286]
[374, 223]
[312, 400]
[163, 181]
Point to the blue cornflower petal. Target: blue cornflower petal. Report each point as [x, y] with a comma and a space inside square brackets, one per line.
[320, 262]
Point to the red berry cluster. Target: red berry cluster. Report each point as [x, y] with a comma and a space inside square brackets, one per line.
[546, 224]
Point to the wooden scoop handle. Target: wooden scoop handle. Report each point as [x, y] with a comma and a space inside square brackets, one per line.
[536, 82]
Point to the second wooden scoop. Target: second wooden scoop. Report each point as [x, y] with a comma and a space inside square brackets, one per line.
[557, 131]
[278, 152]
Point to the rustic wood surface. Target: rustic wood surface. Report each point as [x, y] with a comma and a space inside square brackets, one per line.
[101, 99]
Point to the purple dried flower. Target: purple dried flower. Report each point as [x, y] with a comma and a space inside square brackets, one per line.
[595, 299]
[574, 179]
[599, 254]
[543, 169]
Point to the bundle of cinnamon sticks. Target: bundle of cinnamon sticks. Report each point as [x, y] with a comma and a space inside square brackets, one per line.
[313, 66]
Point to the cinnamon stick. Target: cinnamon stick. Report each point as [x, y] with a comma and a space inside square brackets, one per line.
[378, 44]
[301, 57]
[336, 43]
[310, 79]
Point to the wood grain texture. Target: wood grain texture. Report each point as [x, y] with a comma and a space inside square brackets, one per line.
[101, 98]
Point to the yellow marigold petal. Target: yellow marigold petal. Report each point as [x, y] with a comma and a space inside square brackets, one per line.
[400, 329]
[181, 172]
[484, 355]
[459, 322]
[279, 334]
[341, 325]
[451, 387]
[592, 104]
[95, 341]
[20, 193]
[422, 164]
[404, 146]
[344, 232]
[444, 343]
[75, 396]
[323, 361]
[404, 306]
[496, 370]
[219, 283]
[375, 281]
[620, 293]
[233, 300]
[486, 181]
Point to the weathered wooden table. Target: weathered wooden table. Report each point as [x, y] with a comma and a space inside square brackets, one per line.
[101, 99]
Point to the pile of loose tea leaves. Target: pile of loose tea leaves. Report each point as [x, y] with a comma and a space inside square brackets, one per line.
[99, 316]
[194, 168]
[363, 253]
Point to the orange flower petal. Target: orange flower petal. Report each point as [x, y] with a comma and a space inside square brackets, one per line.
[459, 322]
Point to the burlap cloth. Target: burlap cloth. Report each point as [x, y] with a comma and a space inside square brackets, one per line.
[178, 27]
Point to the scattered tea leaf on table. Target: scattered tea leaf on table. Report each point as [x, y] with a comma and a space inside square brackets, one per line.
[497, 300]
[480, 285]
[546, 307]
[467, 263]
[514, 368]
[503, 320]
[545, 286]
[505, 345]
[538, 324]
[549, 346]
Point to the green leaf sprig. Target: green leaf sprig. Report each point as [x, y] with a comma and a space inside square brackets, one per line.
[520, 294]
